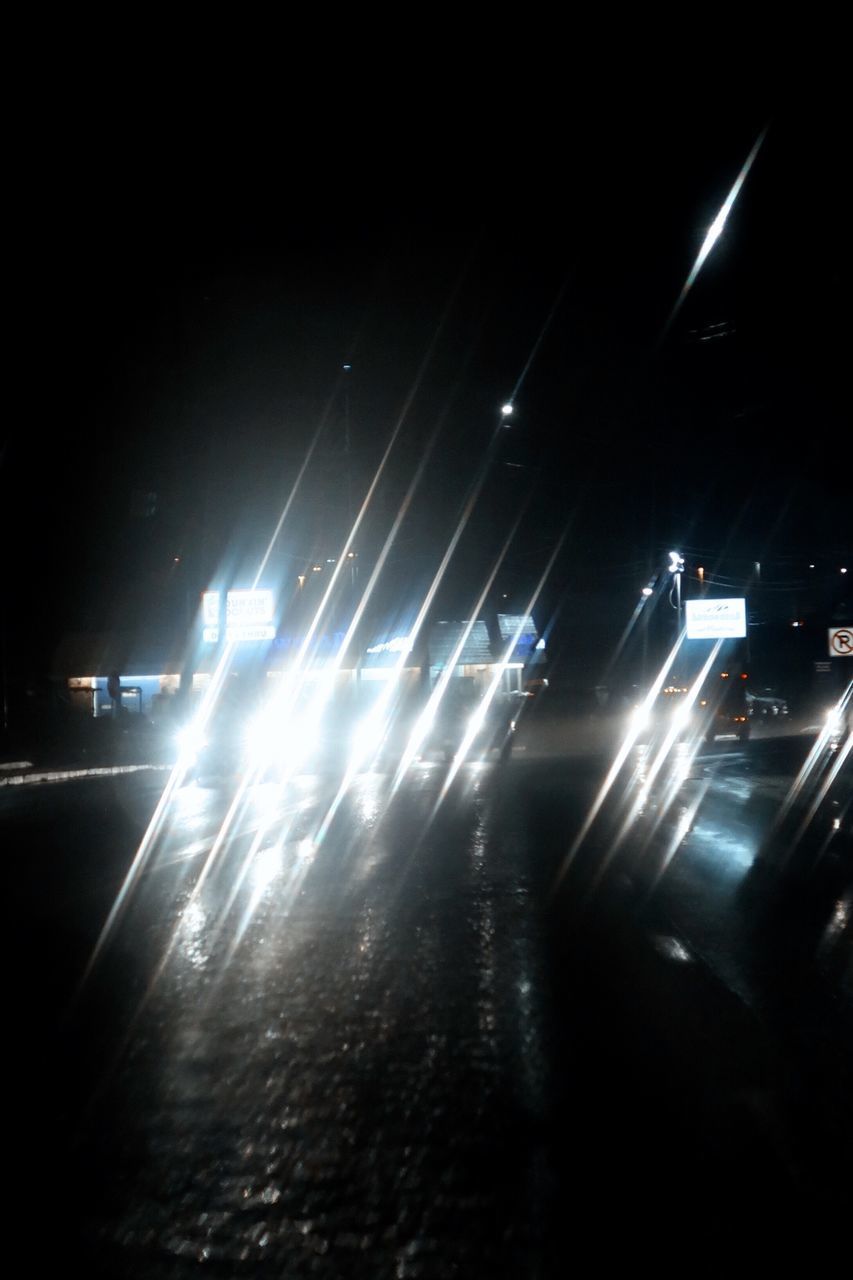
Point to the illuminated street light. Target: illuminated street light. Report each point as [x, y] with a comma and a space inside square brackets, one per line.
[676, 568]
[646, 593]
[506, 410]
[716, 228]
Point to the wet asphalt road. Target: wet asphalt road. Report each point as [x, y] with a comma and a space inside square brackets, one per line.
[427, 1045]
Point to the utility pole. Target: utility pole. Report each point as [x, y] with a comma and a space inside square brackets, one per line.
[347, 370]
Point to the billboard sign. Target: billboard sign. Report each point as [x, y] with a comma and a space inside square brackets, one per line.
[716, 619]
[248, 615]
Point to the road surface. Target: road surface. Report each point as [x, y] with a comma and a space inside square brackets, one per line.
[423, 1032]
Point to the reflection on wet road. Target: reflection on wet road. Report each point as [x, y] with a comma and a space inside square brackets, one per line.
[401, 1043]
[336, 1053]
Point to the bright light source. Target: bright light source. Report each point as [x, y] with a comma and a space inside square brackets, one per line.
[368, 736]
[266, 866]
[261, 737]
[834, 721]
[191, 740]
[640, 718]
[476, 720]
[843, 570]
[715, 230]
[295, 743]
[506, 409]
[681, 715]
[676, 562]
[647, 591]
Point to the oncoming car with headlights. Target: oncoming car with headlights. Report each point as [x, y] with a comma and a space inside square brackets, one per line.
[218, 747]
[716, 708]
[837, 724]
[668, 714]
[251, 740]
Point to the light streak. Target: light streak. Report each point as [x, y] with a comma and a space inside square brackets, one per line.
[715, 230]
[297, 676]
[616, 767]
[817, 755]
[497, 675]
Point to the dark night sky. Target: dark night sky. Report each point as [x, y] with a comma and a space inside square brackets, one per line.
[193, 282]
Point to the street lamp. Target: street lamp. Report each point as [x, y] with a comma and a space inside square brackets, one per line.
[676, 568]
[646, 595]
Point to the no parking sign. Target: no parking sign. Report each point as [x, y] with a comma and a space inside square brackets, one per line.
[841, 642]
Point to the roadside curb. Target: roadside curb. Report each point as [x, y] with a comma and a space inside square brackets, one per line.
[68, 775]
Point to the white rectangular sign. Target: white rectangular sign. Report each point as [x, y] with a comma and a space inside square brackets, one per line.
[250, 631]
[841, 642]
[248, 615]
[248, 607]
[716, 619]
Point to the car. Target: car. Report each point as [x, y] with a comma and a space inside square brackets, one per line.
[215, 748]
[253, 737]
[670, 714]
[766, 705]
[837, 722]
[723, 707]
[716, 710]
[467, 723]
